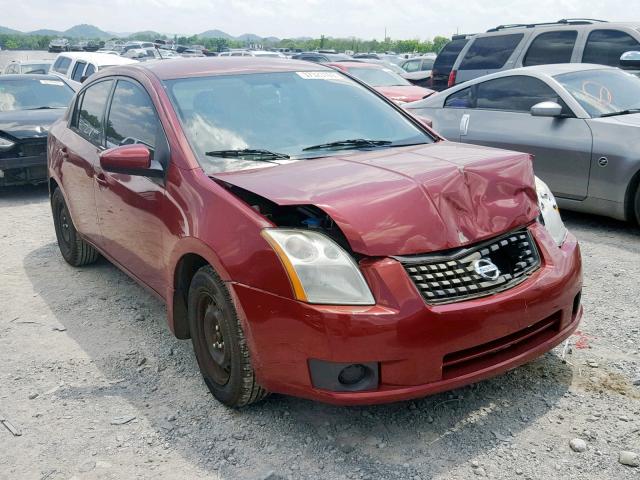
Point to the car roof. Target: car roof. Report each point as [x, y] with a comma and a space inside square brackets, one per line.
[98, 58]
[559, 68]
[586, 25]
[30, 76]
[32, 62]
[209, 66]
[349, 64]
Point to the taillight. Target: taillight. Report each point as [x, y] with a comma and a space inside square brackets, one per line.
[452, 78]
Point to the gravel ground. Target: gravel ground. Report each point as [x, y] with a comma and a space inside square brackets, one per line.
[98, 388]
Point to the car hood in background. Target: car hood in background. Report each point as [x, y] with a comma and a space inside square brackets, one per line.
[401, 93]
[21, 124]
[407, 200]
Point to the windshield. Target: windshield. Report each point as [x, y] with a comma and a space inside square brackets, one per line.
[378, 77]
[35, 67]
[25, 94]
[601, 92]
[283, 113]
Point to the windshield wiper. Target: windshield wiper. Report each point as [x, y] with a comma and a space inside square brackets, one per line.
[629, 111]
[250, 153]
[346, 144]
[44, 108]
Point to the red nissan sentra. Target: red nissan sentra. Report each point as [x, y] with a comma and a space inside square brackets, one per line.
[309, 236]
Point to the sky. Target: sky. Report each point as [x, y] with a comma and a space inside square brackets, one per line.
[366, 19]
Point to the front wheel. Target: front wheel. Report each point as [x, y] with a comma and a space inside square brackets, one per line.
[73, 248]
[636, 206]
[219, 342]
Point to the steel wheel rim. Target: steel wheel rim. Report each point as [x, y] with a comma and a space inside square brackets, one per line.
[210, 315]
[65, 225]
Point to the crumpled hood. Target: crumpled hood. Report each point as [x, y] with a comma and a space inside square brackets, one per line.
[408, 93]
[407, 200]
[23, 124]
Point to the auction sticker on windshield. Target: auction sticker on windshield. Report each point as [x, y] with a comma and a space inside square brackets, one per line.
[52, 82]
[320, 75]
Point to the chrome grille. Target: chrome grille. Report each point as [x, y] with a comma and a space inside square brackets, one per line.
[452, 276]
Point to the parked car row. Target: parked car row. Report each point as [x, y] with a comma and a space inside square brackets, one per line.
[348, 235]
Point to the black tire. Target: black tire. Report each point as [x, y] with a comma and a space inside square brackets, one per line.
[636, 206]
[219, 342]
[73, 248]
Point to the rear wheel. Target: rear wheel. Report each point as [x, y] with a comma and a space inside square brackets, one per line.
[73, 248]
[219, 342]
[636, 206]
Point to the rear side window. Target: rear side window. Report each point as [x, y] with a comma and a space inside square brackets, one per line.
[132, 117]
[515, 94]
[490, 53]
[448, 55]
[551, 47]
[605, 47]
[461, 99]
[78, 70]
[412, 66]
[91, 114]
[91, 69]
[62, 65]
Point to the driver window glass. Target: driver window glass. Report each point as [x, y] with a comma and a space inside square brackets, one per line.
[90, 117]
[132, 117]
[77, 71]
[514, 94]
[461, 99]
[91, 69]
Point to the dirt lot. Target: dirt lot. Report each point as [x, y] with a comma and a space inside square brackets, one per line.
[98, 388]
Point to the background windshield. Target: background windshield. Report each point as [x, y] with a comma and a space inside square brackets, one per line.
[25, 94]
[282, 112]
[602, 91]
[34, 68]
[378, 77]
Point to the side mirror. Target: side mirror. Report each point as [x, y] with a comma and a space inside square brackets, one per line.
[427, 122]
[630, 60]
[131, 160]
[546, 109]
[83, 78]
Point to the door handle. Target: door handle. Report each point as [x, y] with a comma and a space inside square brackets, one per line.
[464, 124]
[102, 180]
[64, 152]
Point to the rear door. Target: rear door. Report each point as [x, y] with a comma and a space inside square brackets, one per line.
[82, 143]
[561, 146]
[130, 206]
[489, 54]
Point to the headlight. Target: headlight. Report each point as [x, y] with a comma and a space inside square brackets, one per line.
[6, 144]
[319, 269]
[549, 213]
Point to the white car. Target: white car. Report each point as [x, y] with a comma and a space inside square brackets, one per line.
[78, 66]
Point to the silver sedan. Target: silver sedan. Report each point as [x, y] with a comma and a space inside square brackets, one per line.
[580, 121]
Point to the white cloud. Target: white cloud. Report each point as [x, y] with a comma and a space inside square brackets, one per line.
[289, 18]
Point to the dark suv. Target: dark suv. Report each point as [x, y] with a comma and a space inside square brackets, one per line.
[445, 60]
[565, 41]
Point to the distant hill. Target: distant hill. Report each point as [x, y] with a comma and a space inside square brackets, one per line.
[44, 31]
[215, 34]
[249, 37]
[85, 31]
[8, 31]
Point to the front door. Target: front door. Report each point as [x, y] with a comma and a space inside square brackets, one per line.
[130, 207]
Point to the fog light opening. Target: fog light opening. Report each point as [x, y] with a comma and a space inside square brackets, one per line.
[352, 374]
[576, 303]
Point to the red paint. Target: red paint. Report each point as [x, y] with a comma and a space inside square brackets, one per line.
[397, 93]
[387, 202]
[125, 157]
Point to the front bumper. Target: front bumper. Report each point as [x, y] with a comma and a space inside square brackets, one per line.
[23, 170]
[421, 349]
